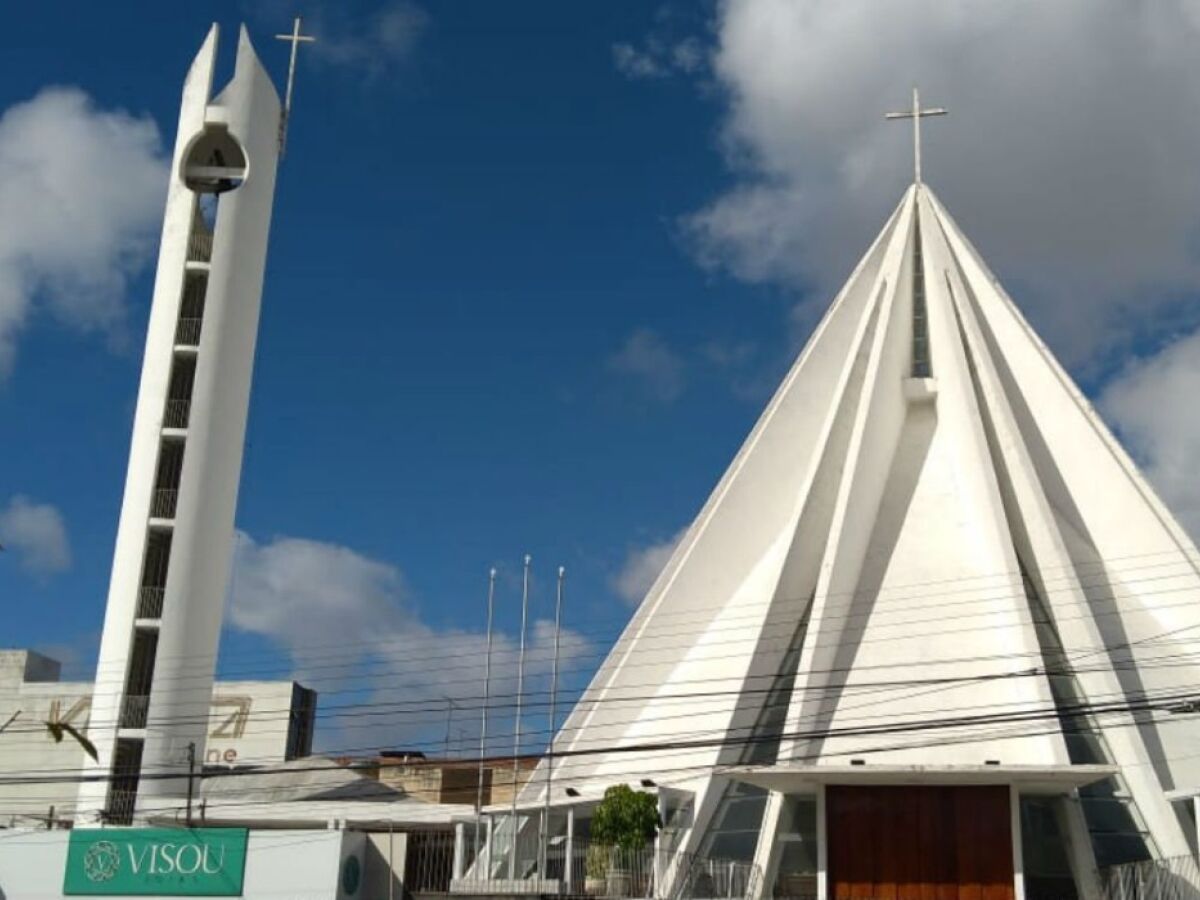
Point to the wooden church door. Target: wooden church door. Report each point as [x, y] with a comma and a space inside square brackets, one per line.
[919, 843]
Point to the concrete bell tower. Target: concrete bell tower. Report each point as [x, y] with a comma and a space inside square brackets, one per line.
[174, 543]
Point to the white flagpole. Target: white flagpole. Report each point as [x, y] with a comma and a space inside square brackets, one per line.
[487, 684]
[562, 572]
[512, 851]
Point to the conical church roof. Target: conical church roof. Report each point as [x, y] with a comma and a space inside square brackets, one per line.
[930, 551]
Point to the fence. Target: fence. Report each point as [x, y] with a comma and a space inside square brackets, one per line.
[620, 874]
[586, 868]
[428, 862]
[200, 244]
[1174, 878]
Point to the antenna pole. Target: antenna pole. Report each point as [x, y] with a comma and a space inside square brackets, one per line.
[562, 572]
[512, 850]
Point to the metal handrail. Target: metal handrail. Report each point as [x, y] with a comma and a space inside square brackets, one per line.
[187, 331]
[177, 413]
[200, 245]
[164, 502]
[120, 806]
[1169, 878]
[133, 710]
[150, 602]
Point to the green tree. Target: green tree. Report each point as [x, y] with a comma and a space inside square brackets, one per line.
[625, 818]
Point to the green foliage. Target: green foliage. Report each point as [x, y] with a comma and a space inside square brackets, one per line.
[58, 729]
[595, 864]
[625, 818]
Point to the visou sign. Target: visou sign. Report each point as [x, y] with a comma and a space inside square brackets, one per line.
[156, 862]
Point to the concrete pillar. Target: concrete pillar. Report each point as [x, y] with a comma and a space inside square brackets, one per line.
[822, 847]
[1018, 856]
[569, 865]
[487, 850]
[460, 850]
[1073, 827]
[766, 858]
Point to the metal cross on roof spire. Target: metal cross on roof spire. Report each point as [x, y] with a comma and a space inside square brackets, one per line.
[916, 113]
[296, 39]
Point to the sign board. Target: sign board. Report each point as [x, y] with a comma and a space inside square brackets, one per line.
[156, 862]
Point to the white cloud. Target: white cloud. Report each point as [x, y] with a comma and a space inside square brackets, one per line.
[646, 357]
[372, 44]
[727, 354]
[334, 610]
[81, 193]
[301, 592]
[689, 55]
[37, 534]
[642, 566]
[634, 63]
[657, 57]
[1151, 405]
[1068, 156]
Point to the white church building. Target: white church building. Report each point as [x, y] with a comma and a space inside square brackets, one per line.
[933, 633]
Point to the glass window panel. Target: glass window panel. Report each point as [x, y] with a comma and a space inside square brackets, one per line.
[796, 846]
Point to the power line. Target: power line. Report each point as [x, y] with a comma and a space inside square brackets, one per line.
[754, 629]
[374, 709]
[1071, 578]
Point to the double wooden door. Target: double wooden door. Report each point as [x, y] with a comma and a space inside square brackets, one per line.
[919, 843]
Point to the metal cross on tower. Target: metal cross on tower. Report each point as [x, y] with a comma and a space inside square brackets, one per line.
[916, 113]
[295, 39]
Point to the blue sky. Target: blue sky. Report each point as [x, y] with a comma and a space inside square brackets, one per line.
[533, 271]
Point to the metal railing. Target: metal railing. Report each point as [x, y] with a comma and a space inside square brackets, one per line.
[428, 862]
[703, 877]
[200, 244]
[150, 602]
[163, 503]
[187, 331]
[1173, 878]
[133, 710]
[592, 869]
[176, 413]
[120, 806]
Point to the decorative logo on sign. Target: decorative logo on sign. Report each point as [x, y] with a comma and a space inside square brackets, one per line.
[102, 861]
[233, 725]
[351, 875]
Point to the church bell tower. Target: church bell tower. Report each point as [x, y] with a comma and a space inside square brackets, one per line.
[171, 564]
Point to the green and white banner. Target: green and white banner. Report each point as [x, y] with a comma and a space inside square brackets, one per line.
[156, 862]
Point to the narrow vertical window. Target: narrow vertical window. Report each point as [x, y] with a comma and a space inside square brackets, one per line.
[921, 366]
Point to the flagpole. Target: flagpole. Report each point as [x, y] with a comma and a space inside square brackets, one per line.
[512, 851]
[562, 572]
[487, 684]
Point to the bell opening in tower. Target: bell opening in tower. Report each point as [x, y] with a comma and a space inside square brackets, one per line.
[215, 163]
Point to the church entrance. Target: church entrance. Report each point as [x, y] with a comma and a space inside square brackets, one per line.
[919, 843]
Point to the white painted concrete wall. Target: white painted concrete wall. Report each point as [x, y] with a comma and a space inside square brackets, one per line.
[247, 722]
[701, 627]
